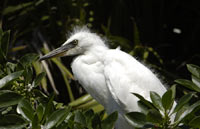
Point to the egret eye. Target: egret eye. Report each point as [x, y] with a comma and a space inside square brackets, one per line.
[75, 42]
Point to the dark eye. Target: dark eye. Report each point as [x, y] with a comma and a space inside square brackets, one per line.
[75, 42]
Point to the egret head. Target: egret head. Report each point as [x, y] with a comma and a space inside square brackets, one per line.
[81, 40]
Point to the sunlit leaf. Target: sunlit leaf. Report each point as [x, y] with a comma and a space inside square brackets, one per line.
[196, 80]
[25, 109]
[194, 69]
[189, 110]
[7, 79]
[184, 100]
[156, 99]
[188, 84]
[81, 100]
[180, 113]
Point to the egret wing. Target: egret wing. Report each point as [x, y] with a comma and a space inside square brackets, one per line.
[125, 75]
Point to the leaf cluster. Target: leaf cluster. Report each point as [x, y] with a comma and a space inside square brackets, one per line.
[164, 113]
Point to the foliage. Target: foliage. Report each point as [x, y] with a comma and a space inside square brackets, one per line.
[164, 113]
[23, 105]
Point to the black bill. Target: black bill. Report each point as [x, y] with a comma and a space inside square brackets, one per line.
[58, 52]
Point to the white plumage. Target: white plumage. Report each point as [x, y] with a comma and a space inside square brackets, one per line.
[108, 75]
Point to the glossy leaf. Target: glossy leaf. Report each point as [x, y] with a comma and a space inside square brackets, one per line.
[25, 109]
[188, 84]
[146, 102]
[179, 114]
[12, 121]
[194, 69]
[167, 100]
[56, 118]
[9, 98]
[154, 116]
[110, 120]
[137, 119]
[9, 78]
[189, 110]
[156, 100]
[184, 100]
[196, 80]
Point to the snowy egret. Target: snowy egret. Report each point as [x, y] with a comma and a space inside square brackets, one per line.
[108, 75]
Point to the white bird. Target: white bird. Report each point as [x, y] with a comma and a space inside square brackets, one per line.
[109, 75]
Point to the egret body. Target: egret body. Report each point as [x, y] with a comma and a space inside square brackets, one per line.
[109, 75]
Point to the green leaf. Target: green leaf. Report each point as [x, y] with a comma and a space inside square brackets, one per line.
[12, 121]
[80, 118]
[173, 88]
[81, 100]
[146, 102]
[5, 42]
[144, 109]
[9, 98]
[28, 59]
[35, 122]
[156, 99]
[194, 69]
[196, 80]
[48, 108]
[188, 84]
[137, 119]
[195, 123]
[9, 78]
[184, 100]
[110, 120]
[179, 114]
[167, 100]
[25, 109]
[56, 118]
[40, 112]
[38, 79]
[154, 116]
[96, 122]
[189, 110]
[88, 115]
